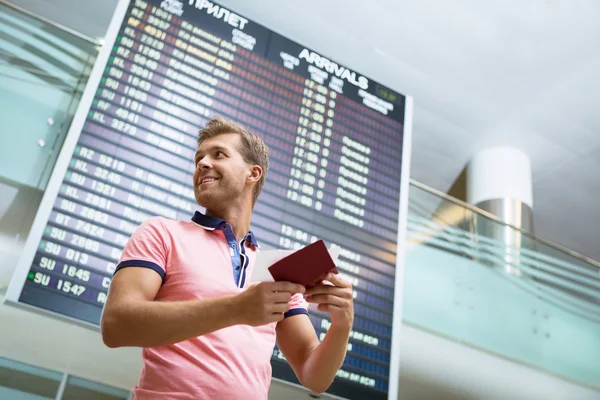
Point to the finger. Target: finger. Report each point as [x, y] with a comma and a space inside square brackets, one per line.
[337, 280]
[322, 277]
[281, 297]
[275, 317]
[279, 308]
[327, 308]
[326, 299]
[288, 287]
[326, 289]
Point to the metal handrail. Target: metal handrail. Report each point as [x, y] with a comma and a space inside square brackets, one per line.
[495, 218]
[50, 22]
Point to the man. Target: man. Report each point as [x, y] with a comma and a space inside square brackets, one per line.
[183, 291]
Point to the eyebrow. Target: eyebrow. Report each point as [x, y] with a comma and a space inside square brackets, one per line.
[209, 149]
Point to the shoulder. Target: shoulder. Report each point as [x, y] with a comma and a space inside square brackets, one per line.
[154, 226]
[172, 230]
[162, 224]
[156, 229]
[154, 222]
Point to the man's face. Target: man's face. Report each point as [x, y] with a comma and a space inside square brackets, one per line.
[221, 174]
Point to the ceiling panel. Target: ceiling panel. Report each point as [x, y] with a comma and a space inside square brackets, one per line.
[90, 17]
[565, 207]
[594, 154]
[522, 73]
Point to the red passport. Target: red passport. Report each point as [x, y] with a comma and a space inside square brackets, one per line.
[305, 266]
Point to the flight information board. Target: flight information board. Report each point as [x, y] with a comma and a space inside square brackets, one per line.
[336, 142]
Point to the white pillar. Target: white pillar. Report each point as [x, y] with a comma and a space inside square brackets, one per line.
[499, 172]
[499, 181]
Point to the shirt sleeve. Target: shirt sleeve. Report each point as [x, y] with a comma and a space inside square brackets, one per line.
[146, 248]
[297, 306]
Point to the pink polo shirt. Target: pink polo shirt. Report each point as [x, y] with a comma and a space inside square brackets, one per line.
[200, 259]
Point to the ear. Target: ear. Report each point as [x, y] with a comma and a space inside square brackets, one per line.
[255, 173]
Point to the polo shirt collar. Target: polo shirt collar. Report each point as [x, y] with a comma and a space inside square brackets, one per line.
[211, 223]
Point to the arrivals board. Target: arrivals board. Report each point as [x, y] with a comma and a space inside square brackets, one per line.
[336, 142]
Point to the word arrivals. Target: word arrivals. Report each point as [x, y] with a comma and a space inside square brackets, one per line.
[333, 68]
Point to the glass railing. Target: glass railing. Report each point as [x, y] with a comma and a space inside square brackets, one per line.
[471, 278]
[43, 69]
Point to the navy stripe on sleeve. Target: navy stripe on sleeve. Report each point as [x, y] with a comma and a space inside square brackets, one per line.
[295, 311]
[142, 263]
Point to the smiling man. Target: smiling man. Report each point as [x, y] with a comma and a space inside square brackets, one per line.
[183, 291]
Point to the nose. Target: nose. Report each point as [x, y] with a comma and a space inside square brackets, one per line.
[203, 163]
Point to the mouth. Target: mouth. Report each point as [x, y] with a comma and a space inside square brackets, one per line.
[207, 180]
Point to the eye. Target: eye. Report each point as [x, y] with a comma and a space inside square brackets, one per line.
[219, 154]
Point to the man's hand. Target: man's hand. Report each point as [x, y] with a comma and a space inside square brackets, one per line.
[336, 299]
[265, 302]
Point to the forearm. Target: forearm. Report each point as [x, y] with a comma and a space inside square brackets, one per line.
[325, 360]
[156, 323]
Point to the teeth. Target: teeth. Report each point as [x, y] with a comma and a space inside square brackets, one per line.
[208, 180]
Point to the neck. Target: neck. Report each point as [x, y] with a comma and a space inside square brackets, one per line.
[237, 215]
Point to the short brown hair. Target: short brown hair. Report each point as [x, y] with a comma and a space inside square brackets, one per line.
[253, 149]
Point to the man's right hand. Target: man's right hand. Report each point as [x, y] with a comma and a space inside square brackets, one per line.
[265, 302]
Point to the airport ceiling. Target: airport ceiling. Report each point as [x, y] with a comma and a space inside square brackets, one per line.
[520, 73]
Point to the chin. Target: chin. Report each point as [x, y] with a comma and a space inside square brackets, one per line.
[201, 199]
[208, 201]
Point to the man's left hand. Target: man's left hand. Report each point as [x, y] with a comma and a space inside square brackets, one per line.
[336, 299]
